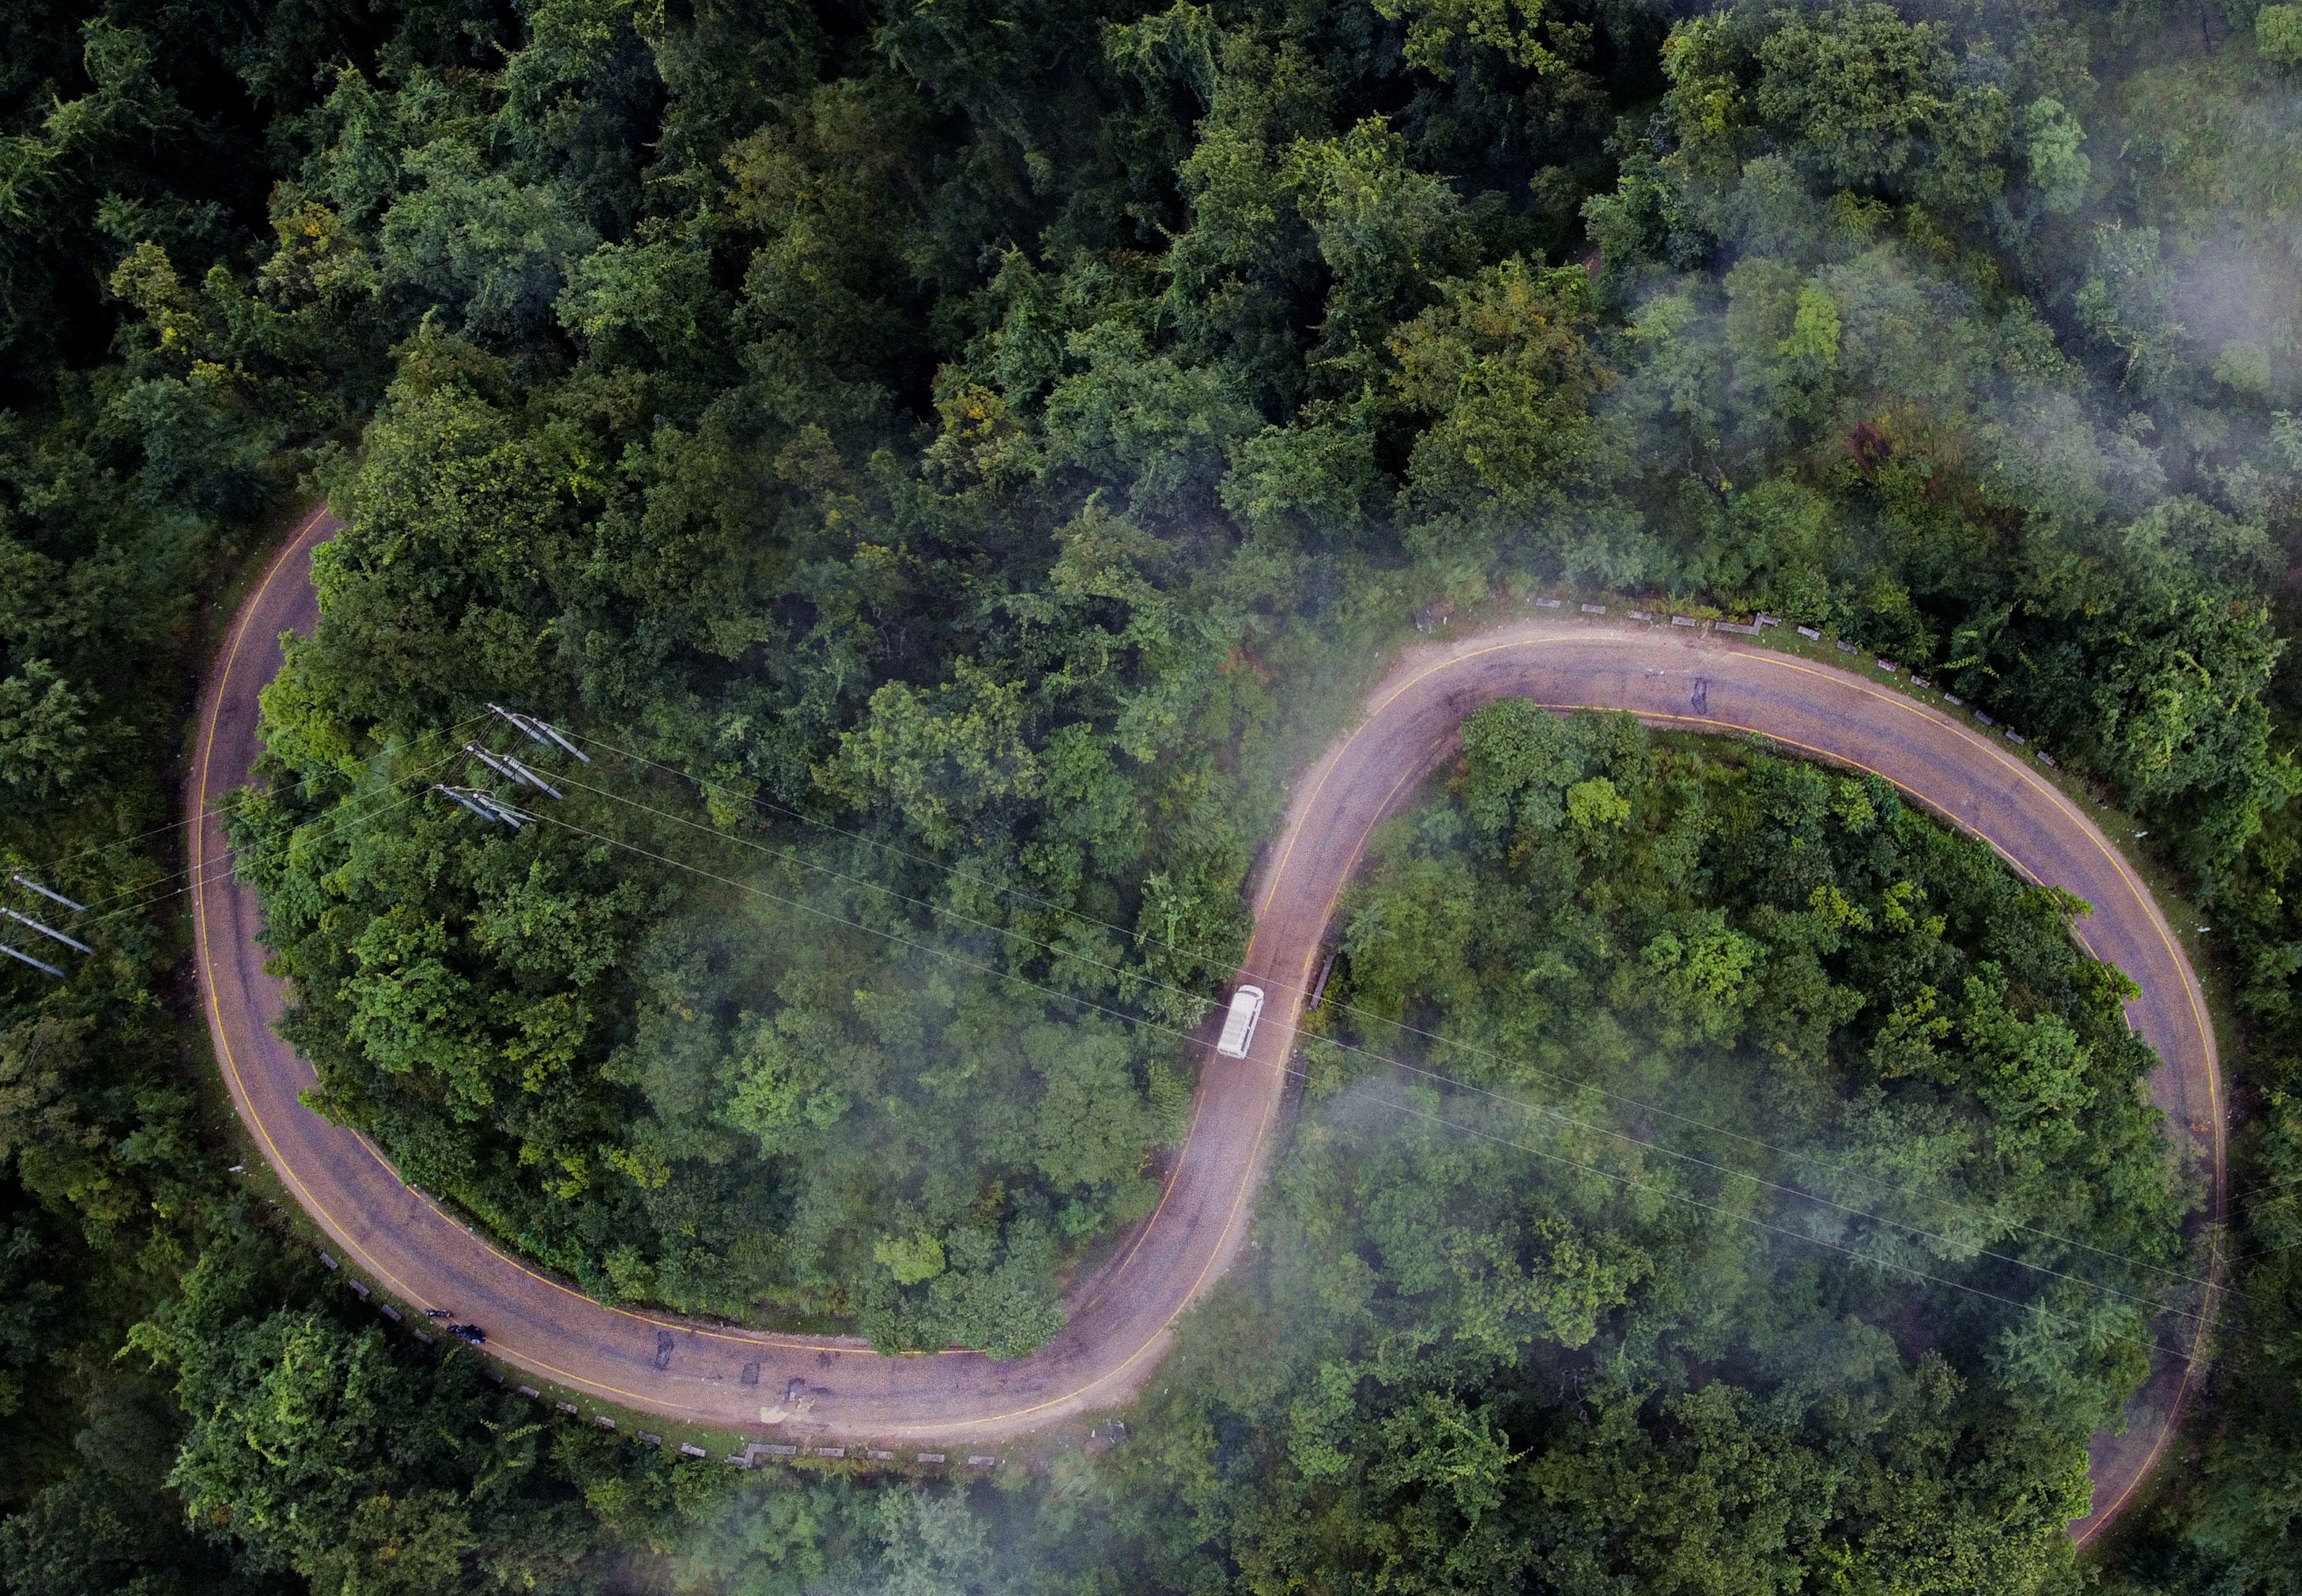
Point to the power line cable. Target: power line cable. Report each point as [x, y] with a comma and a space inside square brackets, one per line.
[226, 858]
[223, 810]
[225, 861]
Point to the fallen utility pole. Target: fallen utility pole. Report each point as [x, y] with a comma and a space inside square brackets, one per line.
[1319, 987]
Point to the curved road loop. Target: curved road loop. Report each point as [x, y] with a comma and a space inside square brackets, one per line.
[1121, 1321]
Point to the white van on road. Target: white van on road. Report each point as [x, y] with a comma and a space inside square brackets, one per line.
[1239, 1025]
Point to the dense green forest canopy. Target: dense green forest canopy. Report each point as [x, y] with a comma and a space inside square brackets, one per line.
[954, 460]
[1543, 1312]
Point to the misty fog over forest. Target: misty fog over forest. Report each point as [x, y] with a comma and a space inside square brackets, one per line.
[945, 472]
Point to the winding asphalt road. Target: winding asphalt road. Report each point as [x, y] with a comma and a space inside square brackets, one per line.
[1121, 1321]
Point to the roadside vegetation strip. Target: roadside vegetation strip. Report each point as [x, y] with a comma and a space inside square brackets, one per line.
[1122, 1322]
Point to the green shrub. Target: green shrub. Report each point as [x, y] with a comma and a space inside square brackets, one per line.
[2278, 34]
